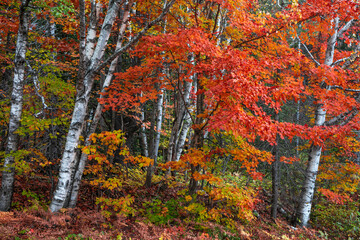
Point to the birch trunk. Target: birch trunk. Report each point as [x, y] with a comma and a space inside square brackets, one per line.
[304, 208]
[94, 66]
[68, 161]
[186, 123]
[175, 130]
[143, 138]
[181, 115]
[94, 123]
[159, 117]
[156, 142]
[97, 115]
[8, 174]
[182, 136]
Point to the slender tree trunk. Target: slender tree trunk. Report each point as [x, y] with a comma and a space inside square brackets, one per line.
[309, 186]
[182, 136]
[275, 176]
[304, 208]
[8, 174]
[68, 161]
[197, 140]
[156, 140]
[175, 128]
[186, 123]
[83, 159]
[87, 70]
[143, 137]
[182, 121]
[159, 120]
[156, 133]
[184, 103]
[97, 116]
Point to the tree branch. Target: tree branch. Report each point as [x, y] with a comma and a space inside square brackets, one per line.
[37, 89]
[355, 55]
[345, 89]
[339, 61]
[345, 28]
[309, 53]
[137, 37]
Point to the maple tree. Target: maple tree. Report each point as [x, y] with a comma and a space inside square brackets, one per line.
[271, 69]
[216, 80]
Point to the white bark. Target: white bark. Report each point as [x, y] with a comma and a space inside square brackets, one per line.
[304, 208]
[159, 115]
[7, 184]
[95, 121]
[186, 123]
[166, 8]
[156, 140]
[96, 118]
[181, 115]
[143, 136]
[175, 130]
[81, 103]
[107, 82]
[91, 35]
[37, 89]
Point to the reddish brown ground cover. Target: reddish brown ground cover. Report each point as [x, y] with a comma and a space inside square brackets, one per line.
[30, 220]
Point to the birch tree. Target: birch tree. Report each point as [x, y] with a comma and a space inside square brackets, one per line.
[143, 137]
[181, 113]
[158, 114]
[91, 62]
[8, 173]
[74, 191]
[305, 203]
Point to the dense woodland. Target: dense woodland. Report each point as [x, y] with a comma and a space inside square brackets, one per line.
[180, 119]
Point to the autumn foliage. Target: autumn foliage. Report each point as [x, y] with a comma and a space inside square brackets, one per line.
[202, 108]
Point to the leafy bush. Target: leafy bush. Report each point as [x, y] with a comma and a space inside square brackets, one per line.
[121, 206]
[159, 213]
[339, 220]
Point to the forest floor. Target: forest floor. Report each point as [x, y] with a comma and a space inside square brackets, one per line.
[30, 220]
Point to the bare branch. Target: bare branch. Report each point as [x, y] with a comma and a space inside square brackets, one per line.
[339, 61]
[308, 52]
[339, 33]
[340, 118]
[345, 89]
[137, 37]
[345, 117]
[345, 28]
[35, 79]
[355, 55]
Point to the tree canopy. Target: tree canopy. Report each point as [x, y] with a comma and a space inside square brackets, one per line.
[221, 103]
